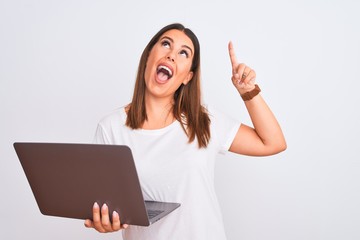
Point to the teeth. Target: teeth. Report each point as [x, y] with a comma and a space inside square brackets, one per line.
[166, 68]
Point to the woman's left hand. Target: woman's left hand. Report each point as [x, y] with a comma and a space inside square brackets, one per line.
[243, 77]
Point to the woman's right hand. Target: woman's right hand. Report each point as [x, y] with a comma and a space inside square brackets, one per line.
[101, 221]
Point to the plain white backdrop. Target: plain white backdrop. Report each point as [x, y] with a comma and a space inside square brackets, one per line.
[65, 64]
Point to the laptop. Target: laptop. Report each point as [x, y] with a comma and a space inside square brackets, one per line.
[68, 178]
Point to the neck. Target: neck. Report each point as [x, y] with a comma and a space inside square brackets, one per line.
[159, 113]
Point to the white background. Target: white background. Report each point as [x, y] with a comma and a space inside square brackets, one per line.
[65, 64]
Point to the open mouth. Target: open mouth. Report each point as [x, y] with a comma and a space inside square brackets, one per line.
[164, 73]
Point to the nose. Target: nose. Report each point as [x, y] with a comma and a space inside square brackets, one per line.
[170, 57]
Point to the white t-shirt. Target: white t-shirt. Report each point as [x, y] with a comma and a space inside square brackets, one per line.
[170, 169]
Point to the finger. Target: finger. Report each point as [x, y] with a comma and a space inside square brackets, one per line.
[88, 223]
[97, 218]
[116, 225]
[240, 74]
[246, 72]
[247, 78]
[233, 60]
[105, 219]
[116, 222]
[250, 77]
[236, 78]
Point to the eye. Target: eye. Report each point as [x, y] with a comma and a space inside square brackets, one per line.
[184, 53]
[165, 43]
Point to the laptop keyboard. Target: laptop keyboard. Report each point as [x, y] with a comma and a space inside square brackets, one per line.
[153, 213]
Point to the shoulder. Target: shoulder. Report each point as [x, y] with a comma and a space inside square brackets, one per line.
[223, 128]
[117, 116]
[111, 127]
[215, 113]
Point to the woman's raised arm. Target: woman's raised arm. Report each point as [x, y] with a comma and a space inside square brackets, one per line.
[265, 137]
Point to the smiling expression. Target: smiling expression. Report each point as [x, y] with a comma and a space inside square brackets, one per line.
[169, 64]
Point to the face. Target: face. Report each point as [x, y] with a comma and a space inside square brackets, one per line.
[169, 64]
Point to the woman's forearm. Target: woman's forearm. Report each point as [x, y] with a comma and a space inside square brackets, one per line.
[265, 124]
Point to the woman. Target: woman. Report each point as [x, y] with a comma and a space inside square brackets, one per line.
[175, 139]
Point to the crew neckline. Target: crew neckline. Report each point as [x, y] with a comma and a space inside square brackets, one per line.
[152, 131]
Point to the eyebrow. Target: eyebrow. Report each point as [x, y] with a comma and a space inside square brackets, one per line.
[171, 40]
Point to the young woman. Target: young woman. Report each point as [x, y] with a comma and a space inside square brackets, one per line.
[175, 139]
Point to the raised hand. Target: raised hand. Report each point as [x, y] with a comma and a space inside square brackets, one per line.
[243, 77]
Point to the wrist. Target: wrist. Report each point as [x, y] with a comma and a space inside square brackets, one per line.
[246, 96]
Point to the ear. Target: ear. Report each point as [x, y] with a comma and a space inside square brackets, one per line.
[188, 78]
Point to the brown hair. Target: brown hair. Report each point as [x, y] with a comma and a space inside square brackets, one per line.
[187, 107]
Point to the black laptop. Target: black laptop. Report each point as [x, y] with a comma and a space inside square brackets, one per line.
[68, 178]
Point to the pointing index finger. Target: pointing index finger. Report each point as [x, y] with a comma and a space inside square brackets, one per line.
[232, 55]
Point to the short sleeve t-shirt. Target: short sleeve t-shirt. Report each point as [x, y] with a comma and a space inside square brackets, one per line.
[174, 170]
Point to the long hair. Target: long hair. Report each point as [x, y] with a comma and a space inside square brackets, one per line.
[187, 108]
